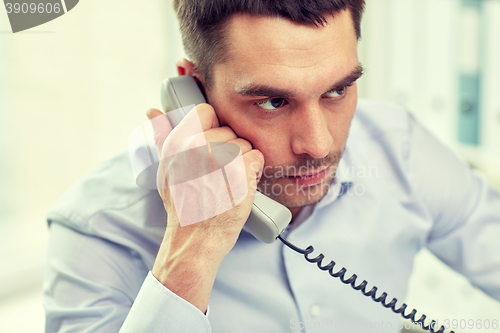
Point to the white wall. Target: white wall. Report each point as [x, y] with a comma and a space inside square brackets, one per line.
[71, 91]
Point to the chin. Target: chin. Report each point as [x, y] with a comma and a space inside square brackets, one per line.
[301, 196]
[312, 195]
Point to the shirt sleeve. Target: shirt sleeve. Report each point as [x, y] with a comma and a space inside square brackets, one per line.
[94, 285]
[464, 208]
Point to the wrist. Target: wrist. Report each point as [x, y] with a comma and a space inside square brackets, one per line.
[200, 240]
[189, 274]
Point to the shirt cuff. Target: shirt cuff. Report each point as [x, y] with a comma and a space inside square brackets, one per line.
[157, 309]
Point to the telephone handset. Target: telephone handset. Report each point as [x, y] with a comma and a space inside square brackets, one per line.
[268, 218]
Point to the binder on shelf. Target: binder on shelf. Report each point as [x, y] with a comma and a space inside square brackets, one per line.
[468, 113]
[469, 76]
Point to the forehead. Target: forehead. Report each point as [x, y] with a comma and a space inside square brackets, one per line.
[277, 51]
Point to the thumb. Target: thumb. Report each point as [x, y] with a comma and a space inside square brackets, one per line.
[161, 127]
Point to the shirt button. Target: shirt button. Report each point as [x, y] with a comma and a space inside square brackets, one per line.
[314, 310]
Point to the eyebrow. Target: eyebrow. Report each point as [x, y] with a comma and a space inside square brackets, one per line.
[254, 90]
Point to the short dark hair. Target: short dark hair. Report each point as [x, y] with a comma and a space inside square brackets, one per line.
[202, 22]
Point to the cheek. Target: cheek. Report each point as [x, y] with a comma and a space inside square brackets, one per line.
[234, 116]
[271, 143]
[342, 121]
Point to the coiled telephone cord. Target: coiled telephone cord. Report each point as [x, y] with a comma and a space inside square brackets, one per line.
[362, 285]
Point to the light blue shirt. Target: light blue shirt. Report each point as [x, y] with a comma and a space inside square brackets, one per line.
[397, 190]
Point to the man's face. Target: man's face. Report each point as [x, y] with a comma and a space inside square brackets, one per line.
[285, 89]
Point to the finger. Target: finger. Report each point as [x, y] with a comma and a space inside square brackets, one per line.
[224, 153]
[220, 134]
[245, 145]
[242, 173]
[207, 116]
[189, 133]
[161, 127]
[254, 164]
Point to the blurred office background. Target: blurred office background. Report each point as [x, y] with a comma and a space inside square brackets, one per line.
[73, 89]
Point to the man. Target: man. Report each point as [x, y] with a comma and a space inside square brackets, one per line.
[282, 78]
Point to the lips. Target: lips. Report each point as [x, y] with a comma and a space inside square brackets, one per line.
[309, 179]
[309, 174]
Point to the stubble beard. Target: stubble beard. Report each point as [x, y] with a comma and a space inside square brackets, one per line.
[291, 195]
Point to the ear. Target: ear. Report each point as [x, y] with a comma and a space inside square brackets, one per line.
[186, 67]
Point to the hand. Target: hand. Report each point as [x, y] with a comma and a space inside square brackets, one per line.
[191, 254]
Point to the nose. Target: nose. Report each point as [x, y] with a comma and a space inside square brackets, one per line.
[310, 133]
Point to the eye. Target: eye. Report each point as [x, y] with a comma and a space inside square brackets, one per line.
[272, 104]
[337, 92]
